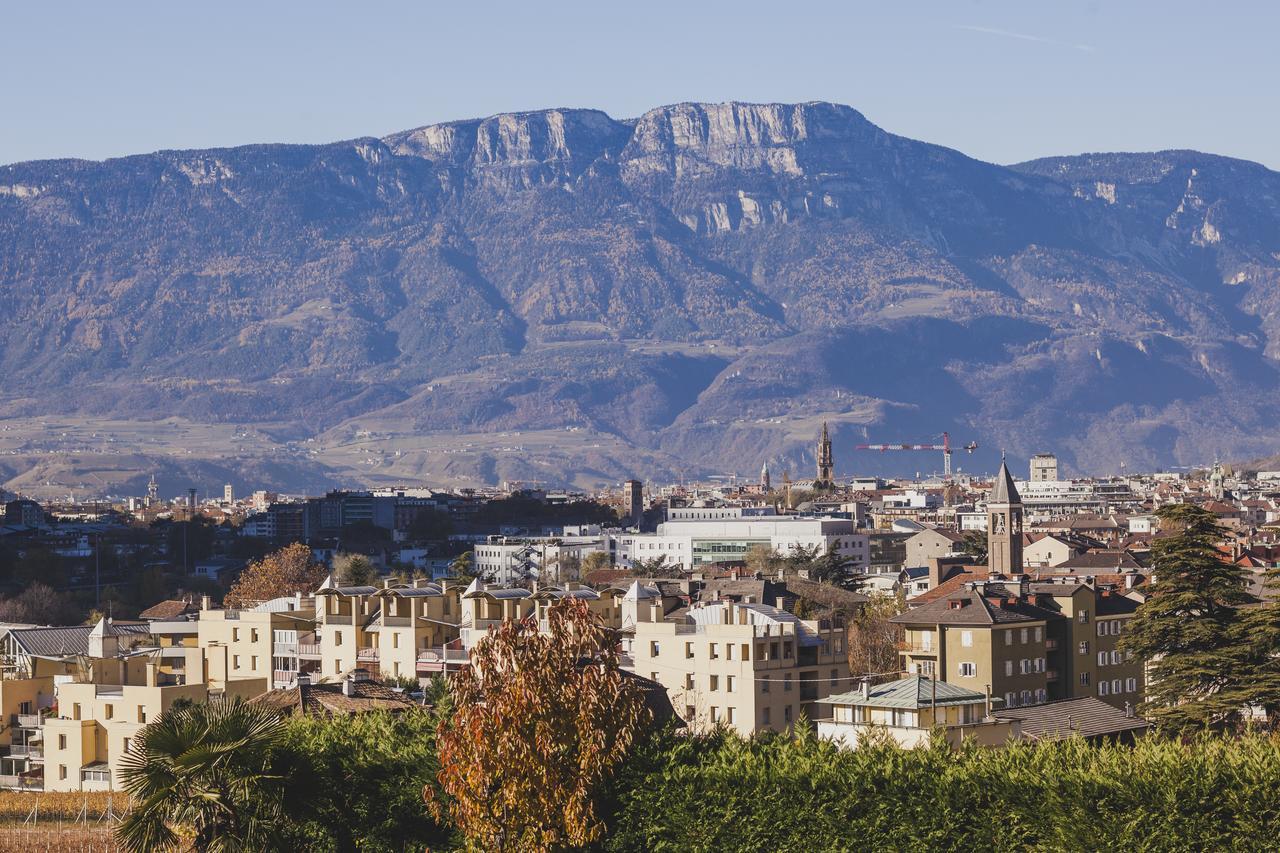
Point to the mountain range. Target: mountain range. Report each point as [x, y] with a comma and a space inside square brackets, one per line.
[563, 297]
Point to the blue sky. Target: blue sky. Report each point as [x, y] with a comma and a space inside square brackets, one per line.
[1003, 81]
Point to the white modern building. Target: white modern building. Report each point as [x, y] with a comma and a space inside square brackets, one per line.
[550, 559]
[695, 544]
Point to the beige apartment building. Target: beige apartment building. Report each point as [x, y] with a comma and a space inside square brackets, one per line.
[273, 640]
[748, 666]
[117, 688]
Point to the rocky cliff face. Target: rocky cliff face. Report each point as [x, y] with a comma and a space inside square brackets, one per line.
[559, 295]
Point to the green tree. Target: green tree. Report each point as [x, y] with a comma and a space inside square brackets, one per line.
[354, 570]
[202, 776]
[596, 560]
[1260, 676]
[873, 638]
[974, 544]
[1189, 630]
[656, 567]
[361, 777]
[463, 567]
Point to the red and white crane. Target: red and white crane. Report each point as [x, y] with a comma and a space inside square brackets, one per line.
[945, 447]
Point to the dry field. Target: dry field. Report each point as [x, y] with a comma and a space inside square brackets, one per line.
[61, 821]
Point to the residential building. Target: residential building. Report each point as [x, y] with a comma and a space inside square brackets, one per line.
[910, 710]
[695, 544]
[749, 666]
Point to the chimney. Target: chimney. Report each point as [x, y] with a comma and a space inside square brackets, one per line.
[348, 685]
[1128, 710]
[1130, 578]
[782, 603]
[205, 602]
[153, 673]
[866, 688]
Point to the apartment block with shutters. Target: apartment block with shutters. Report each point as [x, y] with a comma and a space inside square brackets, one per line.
[1022, 642]
[750, 666]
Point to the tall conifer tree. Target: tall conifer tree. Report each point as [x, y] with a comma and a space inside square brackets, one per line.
[1191, 629]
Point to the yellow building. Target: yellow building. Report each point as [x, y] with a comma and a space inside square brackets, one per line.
[749, 666]
[274, 640]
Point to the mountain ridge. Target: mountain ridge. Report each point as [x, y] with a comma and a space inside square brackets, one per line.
[616, 280]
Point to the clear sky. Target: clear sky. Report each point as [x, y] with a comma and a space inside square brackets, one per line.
[1004, 80]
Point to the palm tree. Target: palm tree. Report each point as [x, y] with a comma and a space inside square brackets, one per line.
[202, 773]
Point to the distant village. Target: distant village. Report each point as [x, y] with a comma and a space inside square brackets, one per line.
[736, 603]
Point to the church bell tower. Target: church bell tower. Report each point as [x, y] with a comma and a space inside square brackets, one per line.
[1004, 525]
[826, 462]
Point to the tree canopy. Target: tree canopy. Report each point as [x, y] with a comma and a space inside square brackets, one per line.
[284, 572]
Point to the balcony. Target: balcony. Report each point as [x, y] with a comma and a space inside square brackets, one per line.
[1050, 645]
[22, 783]
[915, 648]
[28, 721]
[368, 654]
[1051, 675]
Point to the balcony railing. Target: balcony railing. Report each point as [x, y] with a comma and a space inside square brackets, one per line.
[367, 654]
[916, 648]
[1051, 675]
[1050, 645]
[308, 650]
[22, 783]
[28, 721]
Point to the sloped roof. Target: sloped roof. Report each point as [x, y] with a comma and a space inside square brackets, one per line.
[1086, 717]
[169, 609]
[913, 692]
[328, 699]
[970, 607]
[71, 639]
[1004, 491]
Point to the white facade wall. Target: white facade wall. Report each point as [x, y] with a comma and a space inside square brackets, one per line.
[689, 543]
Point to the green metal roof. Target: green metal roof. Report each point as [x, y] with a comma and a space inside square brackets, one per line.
[914, 691]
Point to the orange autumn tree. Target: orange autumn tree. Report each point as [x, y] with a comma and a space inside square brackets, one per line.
[542, 721]
[284, 572]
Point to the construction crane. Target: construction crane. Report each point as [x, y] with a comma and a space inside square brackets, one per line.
[945, 447]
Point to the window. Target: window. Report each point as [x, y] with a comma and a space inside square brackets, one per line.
[62, 771]
[968, 670]
[395, 640]
[1115, 658]
[1039, 634]
[235, 635]
[142, 713]
[715, 714]
[1102, 629]
[690, 712]
[337, 666]
[759, 652]
[966, 639]
[108, 711]
[253, 662]
[1024, 666]
[1102, 658]
[337, 638]
[728, 651]
[1008, 667]
[1011, 699]
[786, 714]
[786, 683]
[1008, 637]
[773, 651]
[764, 684]
[653, 676]
[1130, 685]
[62, 741]
[235, 661]
[728, 683]
[728, 715]
[839, 646]
[1022, 635]
[1084, 679]
[75, 711]
[1115, 686]
[835, 677]
[253, 635]
[1103, 688]
[714, 682]
[127, 743]
[654, 648]
[1083, 616]
[1026, 697]
[746, 651]
[1084, 647]
[764, 715]
[715, 654]
[1041, 694]
[1038, 664]
[786, 651]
